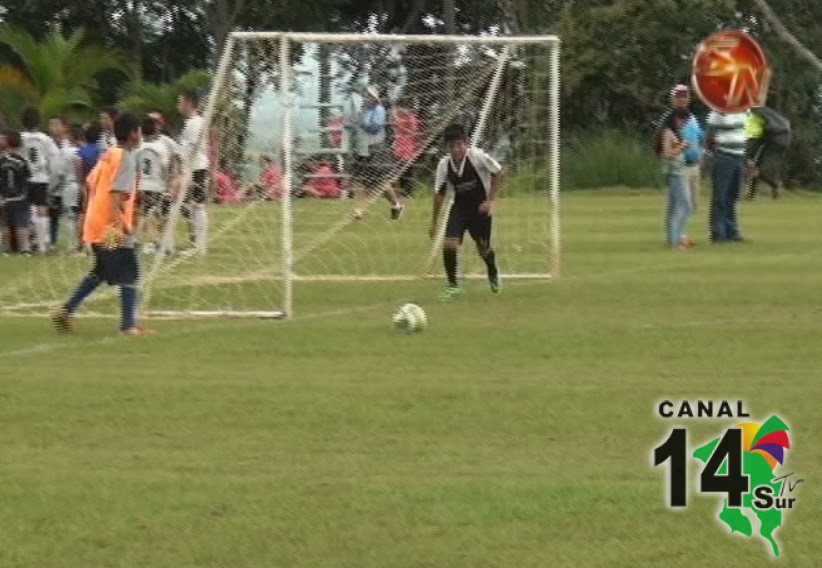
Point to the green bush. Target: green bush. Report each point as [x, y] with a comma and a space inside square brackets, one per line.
[609, 158]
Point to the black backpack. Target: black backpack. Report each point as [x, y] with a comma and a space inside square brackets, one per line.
[777, 128]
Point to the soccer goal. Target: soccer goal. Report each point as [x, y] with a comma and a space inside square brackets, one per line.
[300, 162]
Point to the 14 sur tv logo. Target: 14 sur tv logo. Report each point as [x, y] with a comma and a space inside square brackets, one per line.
[745, 463]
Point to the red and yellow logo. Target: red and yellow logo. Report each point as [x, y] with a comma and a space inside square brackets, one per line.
[731, 72]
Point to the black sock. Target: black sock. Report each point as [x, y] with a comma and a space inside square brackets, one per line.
[449, 259]
[491, 263]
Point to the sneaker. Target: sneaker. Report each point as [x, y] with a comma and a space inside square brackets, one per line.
[496, 284]
[149, 248]
[397, 210]
[687, 242]
[450, 293]
[138, 331]
[63, 320]
[358, 214]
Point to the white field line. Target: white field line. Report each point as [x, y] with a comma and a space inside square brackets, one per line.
[183, 330]
[53, 346]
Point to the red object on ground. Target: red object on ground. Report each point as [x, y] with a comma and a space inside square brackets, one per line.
[227, 190]
[731, 72]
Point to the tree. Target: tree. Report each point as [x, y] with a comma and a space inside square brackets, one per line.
[145, 97]
[57, 74]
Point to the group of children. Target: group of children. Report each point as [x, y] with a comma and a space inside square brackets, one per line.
[45, 177]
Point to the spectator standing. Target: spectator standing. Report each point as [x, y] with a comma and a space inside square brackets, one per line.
[726, 138]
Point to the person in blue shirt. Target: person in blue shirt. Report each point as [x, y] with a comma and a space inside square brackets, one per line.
[694, 135]
[373, 168]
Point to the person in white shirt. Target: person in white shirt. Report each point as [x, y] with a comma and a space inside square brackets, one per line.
[475, 178]
[192, 151]
[44, 161]
[153, 162]
[66, 199]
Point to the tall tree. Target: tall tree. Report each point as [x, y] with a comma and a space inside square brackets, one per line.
[58, 73]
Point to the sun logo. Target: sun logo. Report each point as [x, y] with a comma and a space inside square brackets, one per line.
[731, 72]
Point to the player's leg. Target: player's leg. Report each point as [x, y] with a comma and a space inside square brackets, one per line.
[38, 197]
[199, 215]
[63, 318]
[480, 230]
[384, 166]
[55, 211]
[454, 230]
[19, 222]
[127, 271]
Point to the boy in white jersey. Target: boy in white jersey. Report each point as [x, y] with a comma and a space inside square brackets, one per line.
[153, 161]
[68, 173]
[195, 160]
[44, 162]
[474, 177]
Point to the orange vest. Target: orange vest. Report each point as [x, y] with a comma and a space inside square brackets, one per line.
[100, 184]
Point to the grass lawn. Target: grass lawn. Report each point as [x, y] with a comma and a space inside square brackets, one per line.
[517, 431]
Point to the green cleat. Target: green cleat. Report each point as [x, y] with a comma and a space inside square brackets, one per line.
[450, 293]
[496, 284]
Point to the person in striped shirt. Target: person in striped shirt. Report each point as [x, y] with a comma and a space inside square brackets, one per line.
[726, 138]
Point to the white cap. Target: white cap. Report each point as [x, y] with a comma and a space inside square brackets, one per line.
[373, 91]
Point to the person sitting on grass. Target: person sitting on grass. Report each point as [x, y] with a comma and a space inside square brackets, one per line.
[672, 151]
[325, 184]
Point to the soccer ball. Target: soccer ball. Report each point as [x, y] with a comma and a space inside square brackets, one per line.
[410, 317]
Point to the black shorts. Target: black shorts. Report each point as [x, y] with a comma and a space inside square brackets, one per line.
[17, 215]
[463, 218]
[39, 194]
[199, 187]
[153, 202]
[116, 266]
[198, 193]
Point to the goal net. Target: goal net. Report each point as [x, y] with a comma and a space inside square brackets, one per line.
[306, 136]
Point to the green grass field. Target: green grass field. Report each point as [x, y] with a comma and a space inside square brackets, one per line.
[517, 431]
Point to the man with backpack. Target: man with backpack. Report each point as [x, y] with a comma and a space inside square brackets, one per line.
[767, 138]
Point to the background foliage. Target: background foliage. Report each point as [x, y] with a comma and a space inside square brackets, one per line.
[619, 58]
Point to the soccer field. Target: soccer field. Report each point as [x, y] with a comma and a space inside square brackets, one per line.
[516, 431]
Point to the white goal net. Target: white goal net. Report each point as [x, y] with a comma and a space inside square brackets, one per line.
[306, 136]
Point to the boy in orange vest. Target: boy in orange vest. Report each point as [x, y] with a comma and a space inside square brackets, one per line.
[108, 227]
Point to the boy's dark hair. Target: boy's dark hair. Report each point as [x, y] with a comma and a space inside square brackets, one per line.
[111, 111]
[124, 126]
[93, 132]
[454, 133]
[30, 118]
[76, 131]
[13, 139]
[148, 126]
[669, 123]
[192, 96]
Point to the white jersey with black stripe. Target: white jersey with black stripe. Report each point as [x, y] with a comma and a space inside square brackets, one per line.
[43, 157]
[153, 159]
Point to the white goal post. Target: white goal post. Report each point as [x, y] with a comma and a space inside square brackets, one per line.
[272, 79]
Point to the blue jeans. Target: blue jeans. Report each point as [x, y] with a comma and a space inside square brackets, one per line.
[727, 180]
[679, 208]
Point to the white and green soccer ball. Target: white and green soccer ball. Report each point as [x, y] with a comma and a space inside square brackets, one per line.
[411, 318]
